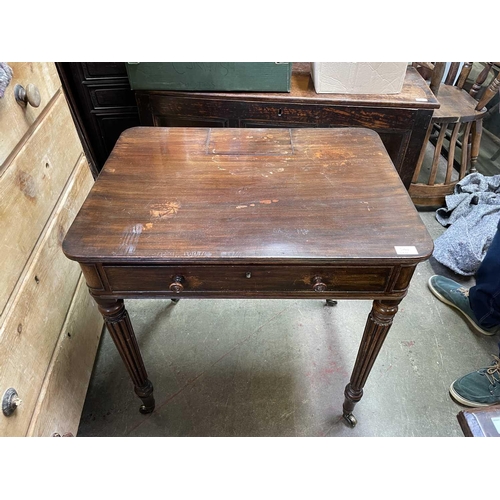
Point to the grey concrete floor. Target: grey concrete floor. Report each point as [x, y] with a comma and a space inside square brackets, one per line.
[279, 367]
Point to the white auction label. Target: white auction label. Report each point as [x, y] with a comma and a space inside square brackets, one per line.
[406, 250]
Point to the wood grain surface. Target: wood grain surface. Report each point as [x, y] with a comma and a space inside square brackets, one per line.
[17, 120]
[184, 195]
[456, 105]
[33, 321]
[30, 187]
[61, 400]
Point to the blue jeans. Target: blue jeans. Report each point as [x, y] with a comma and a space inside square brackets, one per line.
[484, 298]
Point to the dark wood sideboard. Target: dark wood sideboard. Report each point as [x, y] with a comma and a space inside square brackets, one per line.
[401, 120]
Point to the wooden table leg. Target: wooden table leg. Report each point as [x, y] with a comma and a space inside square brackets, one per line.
[119, 326]
[377, 325]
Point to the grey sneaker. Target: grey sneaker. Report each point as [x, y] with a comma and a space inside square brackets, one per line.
[480, 388]
[455, 295]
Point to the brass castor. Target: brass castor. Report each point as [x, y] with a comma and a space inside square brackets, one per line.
[350, 419]
[175, 300]
[145, 409]
[331, 302]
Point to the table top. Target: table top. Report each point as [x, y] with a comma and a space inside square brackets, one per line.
[203, 195]
[414, 94]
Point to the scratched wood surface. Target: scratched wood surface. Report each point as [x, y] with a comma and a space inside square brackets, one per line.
[30, 187]
[456, 105]
[291, 195]
[61, 399]
[33, 321]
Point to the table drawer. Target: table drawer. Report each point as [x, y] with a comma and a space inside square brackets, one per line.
[259, 279]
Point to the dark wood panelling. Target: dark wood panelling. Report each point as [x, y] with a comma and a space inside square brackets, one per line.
[102, 103]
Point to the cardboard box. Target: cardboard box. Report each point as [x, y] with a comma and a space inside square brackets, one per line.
[358, 77]
[211, 76]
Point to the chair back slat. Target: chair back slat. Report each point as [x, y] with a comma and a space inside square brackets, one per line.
[481, 78]
[452, 73]
[451, 152]
[464, 74]
[437, 154]
[437, 76]
[465, 160]
[489, 93]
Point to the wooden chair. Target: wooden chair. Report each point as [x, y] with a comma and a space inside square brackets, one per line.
[457, 124]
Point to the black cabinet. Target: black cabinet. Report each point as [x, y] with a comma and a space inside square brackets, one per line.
[102, 103]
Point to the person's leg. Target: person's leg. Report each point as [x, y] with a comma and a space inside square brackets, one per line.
[484, 298]
[457, 296]
[479, 305]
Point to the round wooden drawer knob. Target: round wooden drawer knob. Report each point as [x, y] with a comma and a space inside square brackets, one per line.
[318, 286]
[29, 95]
[10, 402]
[176, 286]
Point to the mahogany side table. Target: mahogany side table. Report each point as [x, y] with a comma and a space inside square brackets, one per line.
[260, 213]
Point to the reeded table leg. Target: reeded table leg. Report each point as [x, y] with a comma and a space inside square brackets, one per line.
[377, 325]
[119, 326]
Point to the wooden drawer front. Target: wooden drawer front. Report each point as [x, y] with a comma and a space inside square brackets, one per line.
[223, 279]
[30, 188]
[324, 116]
[282, 112]
[111, 97]
[372, 118]
[15, 120]
[100, 70]
[228, 110]
[163, 108]
[61, 400]
[33, 324]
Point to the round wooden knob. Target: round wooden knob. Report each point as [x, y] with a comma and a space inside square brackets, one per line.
[29, 95]
[10, 402]
[176, 286]
[318, 286]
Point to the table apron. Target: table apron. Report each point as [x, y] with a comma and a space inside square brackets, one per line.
[249, 281]
[252, 295]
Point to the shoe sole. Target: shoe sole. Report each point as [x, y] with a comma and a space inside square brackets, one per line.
[466, 402]
[473, 326]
